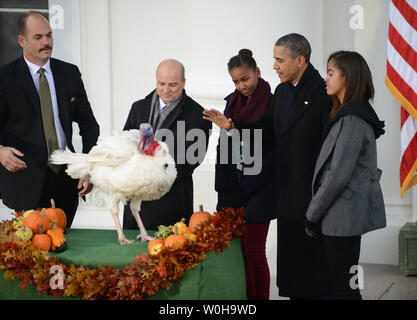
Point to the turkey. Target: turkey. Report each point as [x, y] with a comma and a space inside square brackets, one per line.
[131, 165]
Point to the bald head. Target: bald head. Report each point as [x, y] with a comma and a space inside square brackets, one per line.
[173, 66]
[170, 80]
[31, 16]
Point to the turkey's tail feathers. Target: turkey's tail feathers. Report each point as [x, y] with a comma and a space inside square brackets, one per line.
[79, 165]
[67, 156]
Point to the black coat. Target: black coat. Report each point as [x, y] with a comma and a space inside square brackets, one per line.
[298, 141]
[298, 135]
[256, 193]
[21, 126]
[178, 202]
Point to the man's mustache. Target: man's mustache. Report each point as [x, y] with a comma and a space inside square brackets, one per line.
[45, 48]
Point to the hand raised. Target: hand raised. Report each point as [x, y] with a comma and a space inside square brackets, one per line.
[218, 118]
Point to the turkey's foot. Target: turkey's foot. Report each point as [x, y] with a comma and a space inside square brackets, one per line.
[144, 237]
[125, 241]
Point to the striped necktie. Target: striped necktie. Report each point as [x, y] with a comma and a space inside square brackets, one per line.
[48, 116]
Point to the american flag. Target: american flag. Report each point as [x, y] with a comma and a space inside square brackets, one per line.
[401, 80]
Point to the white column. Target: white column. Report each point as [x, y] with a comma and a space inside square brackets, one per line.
[96, 62]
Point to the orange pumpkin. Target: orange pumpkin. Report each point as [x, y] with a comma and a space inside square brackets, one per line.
[56, 215]
[175, 241]
[198, 218]
[42, 241]
[36, 219]
[155, 246]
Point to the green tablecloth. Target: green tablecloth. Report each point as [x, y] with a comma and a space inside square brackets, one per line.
[221, 276]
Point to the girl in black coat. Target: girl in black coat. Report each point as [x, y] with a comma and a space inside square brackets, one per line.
[256, 193]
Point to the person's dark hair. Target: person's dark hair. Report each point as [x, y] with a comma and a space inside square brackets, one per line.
[244, 58]
[21, 21]
[297, 44]
[358, 79]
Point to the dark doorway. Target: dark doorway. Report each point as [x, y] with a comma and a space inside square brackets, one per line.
[10, 10]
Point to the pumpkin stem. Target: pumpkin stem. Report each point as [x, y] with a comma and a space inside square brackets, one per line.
[201, 208]
[40, 229]
[53, 204]
[176, 230]
[42, 213]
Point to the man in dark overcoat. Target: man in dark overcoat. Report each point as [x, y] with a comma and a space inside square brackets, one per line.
[297, 117]
[169, 110]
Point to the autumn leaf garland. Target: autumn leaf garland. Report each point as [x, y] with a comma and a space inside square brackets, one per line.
[144, 277]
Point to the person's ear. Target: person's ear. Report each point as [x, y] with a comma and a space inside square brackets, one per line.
[301, 61]
[21, 40]
[258, 72]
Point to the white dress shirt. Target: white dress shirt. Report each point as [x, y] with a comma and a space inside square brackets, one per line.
[162, 105]
[33, 68]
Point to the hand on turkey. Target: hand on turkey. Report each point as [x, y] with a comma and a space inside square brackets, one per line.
[86, 187]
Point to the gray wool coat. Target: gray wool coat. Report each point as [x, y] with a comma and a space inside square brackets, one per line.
[347, 197]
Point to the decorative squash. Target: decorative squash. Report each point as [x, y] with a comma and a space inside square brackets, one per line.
[180, 227]
[175, 241]
[58, 241]
[56, 215]
[24, 233]
[26, 213]
[42, 240]
[198, 218]
[36, 219]
[191, 236]
[18, 223]
[155, 246]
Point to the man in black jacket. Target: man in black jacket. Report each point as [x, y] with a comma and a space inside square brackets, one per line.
[40, 98]
[176, 118]
[297, 117]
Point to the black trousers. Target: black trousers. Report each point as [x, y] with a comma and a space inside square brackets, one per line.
[341, 254]
[301, 273]
[63, 189]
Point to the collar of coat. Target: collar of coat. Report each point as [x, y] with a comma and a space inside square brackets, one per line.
[363, 110]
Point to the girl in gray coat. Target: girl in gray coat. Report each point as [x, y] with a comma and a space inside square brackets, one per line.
[347, 198]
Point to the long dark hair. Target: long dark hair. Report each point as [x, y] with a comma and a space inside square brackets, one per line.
[358, 79]
[243, 58]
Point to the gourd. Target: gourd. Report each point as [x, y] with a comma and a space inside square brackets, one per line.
[24, 233]
[42, 240]
[180, 228]
[191, 236]
[58, 241]
[36, 219]
[56, 215]
[198, 218]
[26, 213]
[18, 223]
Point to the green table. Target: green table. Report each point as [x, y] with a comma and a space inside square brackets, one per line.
[220, 276]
